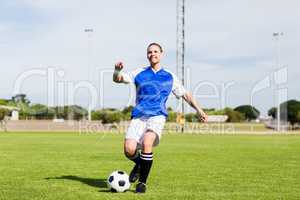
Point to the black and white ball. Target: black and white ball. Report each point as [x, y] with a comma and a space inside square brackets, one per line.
[118, 181]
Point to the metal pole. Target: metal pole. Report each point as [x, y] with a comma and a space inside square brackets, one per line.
[183, 51]
[180, 54]
[89, 32]
[277, 36]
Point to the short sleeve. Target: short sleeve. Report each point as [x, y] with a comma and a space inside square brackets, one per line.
[128, 77]
[177, 89]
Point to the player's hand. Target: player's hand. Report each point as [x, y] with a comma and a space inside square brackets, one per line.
[202, 116]
[119, 66]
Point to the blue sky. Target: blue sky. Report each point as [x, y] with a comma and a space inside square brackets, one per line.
[226, 42]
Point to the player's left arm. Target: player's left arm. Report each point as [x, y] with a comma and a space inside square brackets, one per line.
[179, 91]
[188, 97]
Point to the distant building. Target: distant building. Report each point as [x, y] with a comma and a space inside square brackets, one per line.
[217, 118]
[273, 124]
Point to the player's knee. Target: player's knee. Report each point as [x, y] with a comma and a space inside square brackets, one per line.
[130, 150]
[147, 144]
[149, 140]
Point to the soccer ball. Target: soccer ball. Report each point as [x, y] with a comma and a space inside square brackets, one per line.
[118, 181]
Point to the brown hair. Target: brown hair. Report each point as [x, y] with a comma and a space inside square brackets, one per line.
[155, 44]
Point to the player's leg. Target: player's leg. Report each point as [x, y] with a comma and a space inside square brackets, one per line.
[133, 153]
[131, 146]
[130, 150]
[151, 138]
[146, 159]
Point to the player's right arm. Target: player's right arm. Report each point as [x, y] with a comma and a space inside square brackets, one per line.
[122, 77]
[117, 76]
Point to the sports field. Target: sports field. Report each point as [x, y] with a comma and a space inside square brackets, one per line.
[73, 166]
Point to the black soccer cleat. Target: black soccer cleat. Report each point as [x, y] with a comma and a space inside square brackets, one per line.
[140, 188]
[135, 173]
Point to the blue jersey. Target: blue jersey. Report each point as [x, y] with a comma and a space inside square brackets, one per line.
[152, 90]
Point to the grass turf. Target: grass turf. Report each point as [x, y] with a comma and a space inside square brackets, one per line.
[73, 166]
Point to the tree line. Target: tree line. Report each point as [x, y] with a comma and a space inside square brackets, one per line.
[290, 111]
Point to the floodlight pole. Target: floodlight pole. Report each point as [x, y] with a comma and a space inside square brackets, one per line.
[180, 50]
[277, 36]
[89, 32]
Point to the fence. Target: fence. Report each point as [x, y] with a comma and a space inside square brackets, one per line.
[87, 127]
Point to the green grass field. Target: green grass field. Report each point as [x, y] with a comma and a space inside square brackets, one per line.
[72, 166]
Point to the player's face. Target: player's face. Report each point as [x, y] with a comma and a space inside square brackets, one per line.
[154, 54]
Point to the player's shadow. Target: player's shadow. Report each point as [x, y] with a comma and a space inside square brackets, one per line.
[98, 183]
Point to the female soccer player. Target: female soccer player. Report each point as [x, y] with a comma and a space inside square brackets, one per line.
[153, 86]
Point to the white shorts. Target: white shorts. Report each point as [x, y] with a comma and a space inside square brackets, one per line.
[139, 126]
